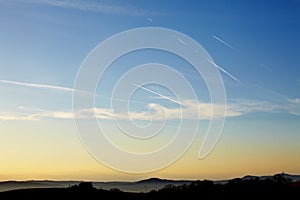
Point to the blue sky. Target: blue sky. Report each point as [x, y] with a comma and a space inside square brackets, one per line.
[43, 43]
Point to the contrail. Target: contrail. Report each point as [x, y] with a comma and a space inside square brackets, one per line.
[42, 86]
[266, 67]
[180, 40]
[223, 42]
[163, 96]
[223, 70]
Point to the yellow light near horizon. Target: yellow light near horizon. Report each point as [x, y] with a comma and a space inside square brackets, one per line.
[43, 151]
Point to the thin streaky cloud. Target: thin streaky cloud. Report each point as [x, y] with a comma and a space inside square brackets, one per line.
[42, 86]
[159, 97]
[235, 108]
[124, 100]
[223, 70]
[63, 89]
[266, 67]
[95, 6]
[162, 96]
[181, 41]
[223, 42]
[16, 117]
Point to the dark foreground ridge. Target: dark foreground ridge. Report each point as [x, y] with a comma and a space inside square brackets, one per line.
[277, 186]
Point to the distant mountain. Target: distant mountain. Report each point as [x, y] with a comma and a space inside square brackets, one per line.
[158, 180]
[12, 185]
[153, 180]
[277, 187]
[143, 185]
[138, 186]
[293, 178]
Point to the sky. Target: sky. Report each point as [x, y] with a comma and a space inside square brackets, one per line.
[254, 46]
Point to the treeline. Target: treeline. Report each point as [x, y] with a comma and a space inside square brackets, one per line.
[275, 187]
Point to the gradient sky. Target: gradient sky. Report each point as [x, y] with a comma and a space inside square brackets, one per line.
[43, 43]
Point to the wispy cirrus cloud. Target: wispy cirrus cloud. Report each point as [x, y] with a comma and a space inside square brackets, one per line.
[41, 86]
[158, 112]
[294, 106]
[35, 115]
[96, 6]
[16, 116]
[295, 101]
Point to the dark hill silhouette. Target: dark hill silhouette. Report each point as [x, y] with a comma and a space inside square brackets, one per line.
[161, 181]
[278, 186]
[152, 180]
[287, 176]
[138, 186]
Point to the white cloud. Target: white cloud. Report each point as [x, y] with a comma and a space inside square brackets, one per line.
[13, 116]
[295, 101]
[156, 112]
[56, 115]
[246, 106]
[35, 115]
[294, 106]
